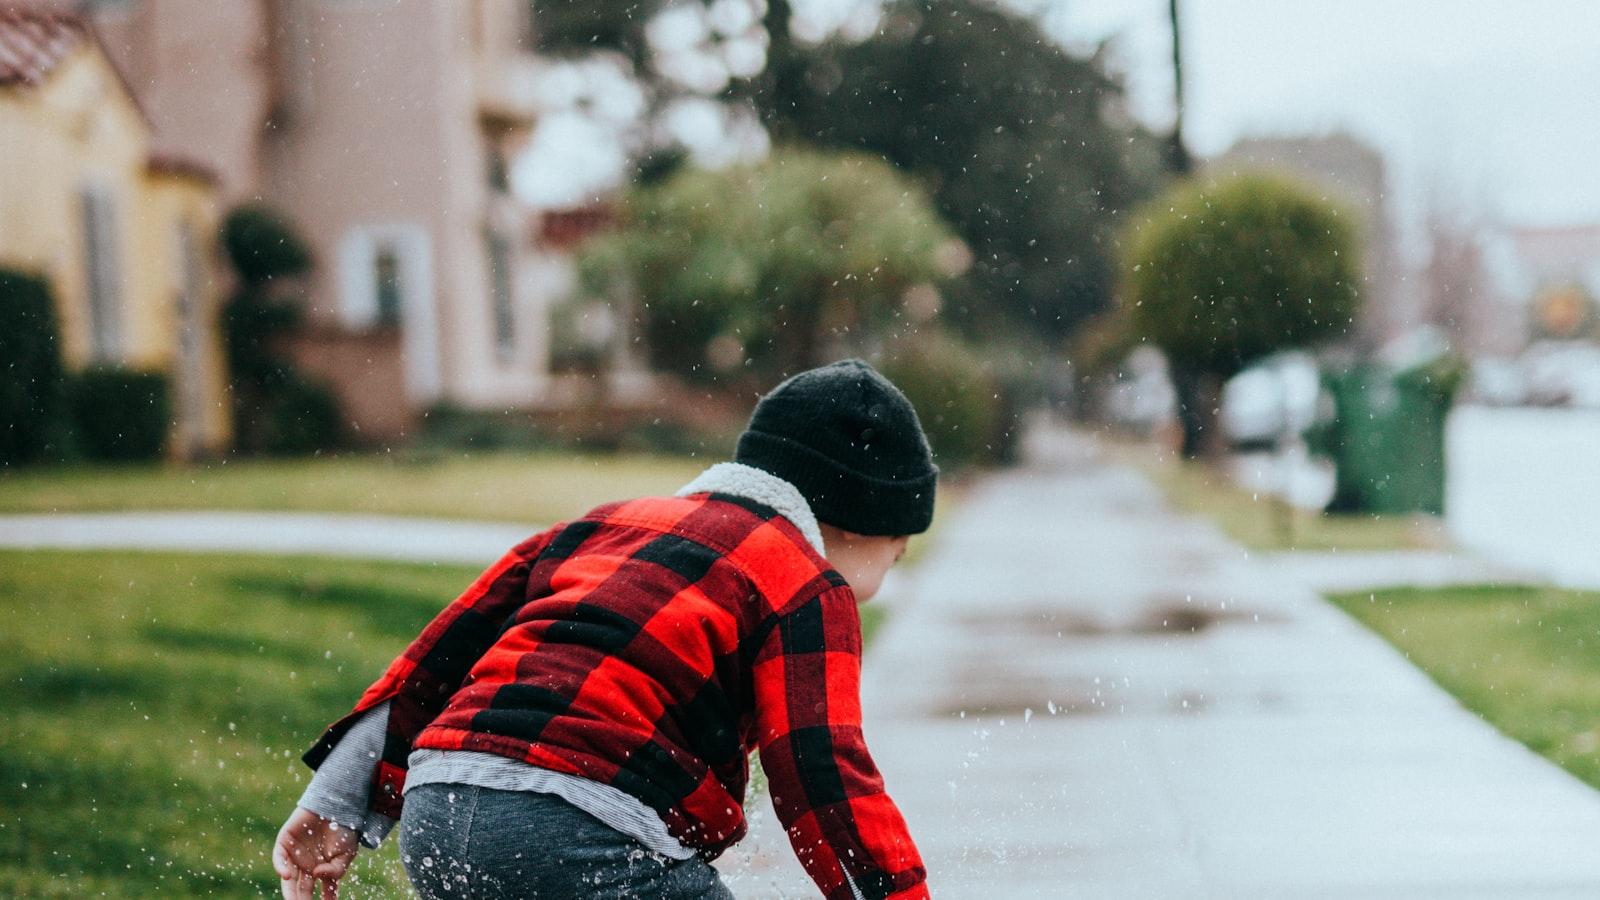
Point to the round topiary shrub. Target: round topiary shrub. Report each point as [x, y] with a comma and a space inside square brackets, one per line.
[262, 245]
[1220, 274]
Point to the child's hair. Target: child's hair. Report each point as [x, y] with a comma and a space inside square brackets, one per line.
[850, 441]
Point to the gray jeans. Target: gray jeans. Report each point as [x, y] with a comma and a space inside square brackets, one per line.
[465, 842]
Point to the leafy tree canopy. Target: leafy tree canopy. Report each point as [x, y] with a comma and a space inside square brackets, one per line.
[770, 267]
[1223, 273]
[1026, 147]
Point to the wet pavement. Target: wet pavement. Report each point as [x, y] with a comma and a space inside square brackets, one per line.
[1081, 694]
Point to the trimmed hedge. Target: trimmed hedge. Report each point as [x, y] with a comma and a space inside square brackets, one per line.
[120, 414]
[32, 403]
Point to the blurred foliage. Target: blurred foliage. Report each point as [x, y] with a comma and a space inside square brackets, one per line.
[1220, 274]
[120, 414]
[1223, 273]
[303, 418]
[596, 427]
[769, 268]
[1104, 342]
[577, 344]
[1025, 146]
[955, 396]
[32, 401]
[573, 26]
[276, 409]
[262, 245]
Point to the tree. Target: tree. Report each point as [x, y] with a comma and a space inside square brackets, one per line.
[772, 267]
[1221, 274]
[276, 409]
[1025, 147]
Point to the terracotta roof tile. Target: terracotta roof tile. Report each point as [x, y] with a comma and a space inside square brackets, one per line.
[34, 42]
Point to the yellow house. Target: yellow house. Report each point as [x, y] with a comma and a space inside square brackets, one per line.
[125, 238]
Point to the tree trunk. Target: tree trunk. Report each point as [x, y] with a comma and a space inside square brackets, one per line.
[1199, 412]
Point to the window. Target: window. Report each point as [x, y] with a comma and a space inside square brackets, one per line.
[102, 270]
[386, 280]
[387, 288]
[505, 332]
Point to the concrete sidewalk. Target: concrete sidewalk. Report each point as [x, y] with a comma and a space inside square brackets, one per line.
[314, 534]
[1084, 695]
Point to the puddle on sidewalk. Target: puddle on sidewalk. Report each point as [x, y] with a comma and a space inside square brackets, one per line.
[1163, 616]
[1016, 669]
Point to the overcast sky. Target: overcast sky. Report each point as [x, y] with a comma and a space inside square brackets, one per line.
[1494, 102]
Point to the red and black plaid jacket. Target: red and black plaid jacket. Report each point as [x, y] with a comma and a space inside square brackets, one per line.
[650, 646]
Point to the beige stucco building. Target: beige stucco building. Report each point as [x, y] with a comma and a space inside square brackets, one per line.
[122, 234]
[383, 129]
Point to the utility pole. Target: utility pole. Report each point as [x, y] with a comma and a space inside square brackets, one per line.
[1177, 154]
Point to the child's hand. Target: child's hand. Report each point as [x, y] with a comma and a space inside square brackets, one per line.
[311, 850]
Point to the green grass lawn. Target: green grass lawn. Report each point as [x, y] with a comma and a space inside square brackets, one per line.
[157, 704]
[1260, 523]
[1527, 659]
[536, 488]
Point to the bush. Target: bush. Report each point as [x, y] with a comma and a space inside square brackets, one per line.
[954, 394]
[262, 245]
[1221, 274]
[31, 398]
[120, 414]
[302, 417]
[761, 269]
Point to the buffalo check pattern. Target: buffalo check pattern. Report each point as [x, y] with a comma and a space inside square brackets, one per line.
[652, 645]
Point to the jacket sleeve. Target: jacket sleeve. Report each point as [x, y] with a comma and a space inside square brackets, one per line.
[340, 790]
[825, 788]
[420, 681]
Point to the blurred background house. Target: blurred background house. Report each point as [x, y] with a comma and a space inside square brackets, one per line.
[385, 133]
[120, 230]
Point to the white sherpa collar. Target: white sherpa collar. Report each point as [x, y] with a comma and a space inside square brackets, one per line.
[763, 487]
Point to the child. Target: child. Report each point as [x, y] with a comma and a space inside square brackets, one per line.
[579, 722]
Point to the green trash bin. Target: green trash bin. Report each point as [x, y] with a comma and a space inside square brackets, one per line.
[1387, 436]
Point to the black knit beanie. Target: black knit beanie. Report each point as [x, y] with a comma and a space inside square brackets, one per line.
[851, 443]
